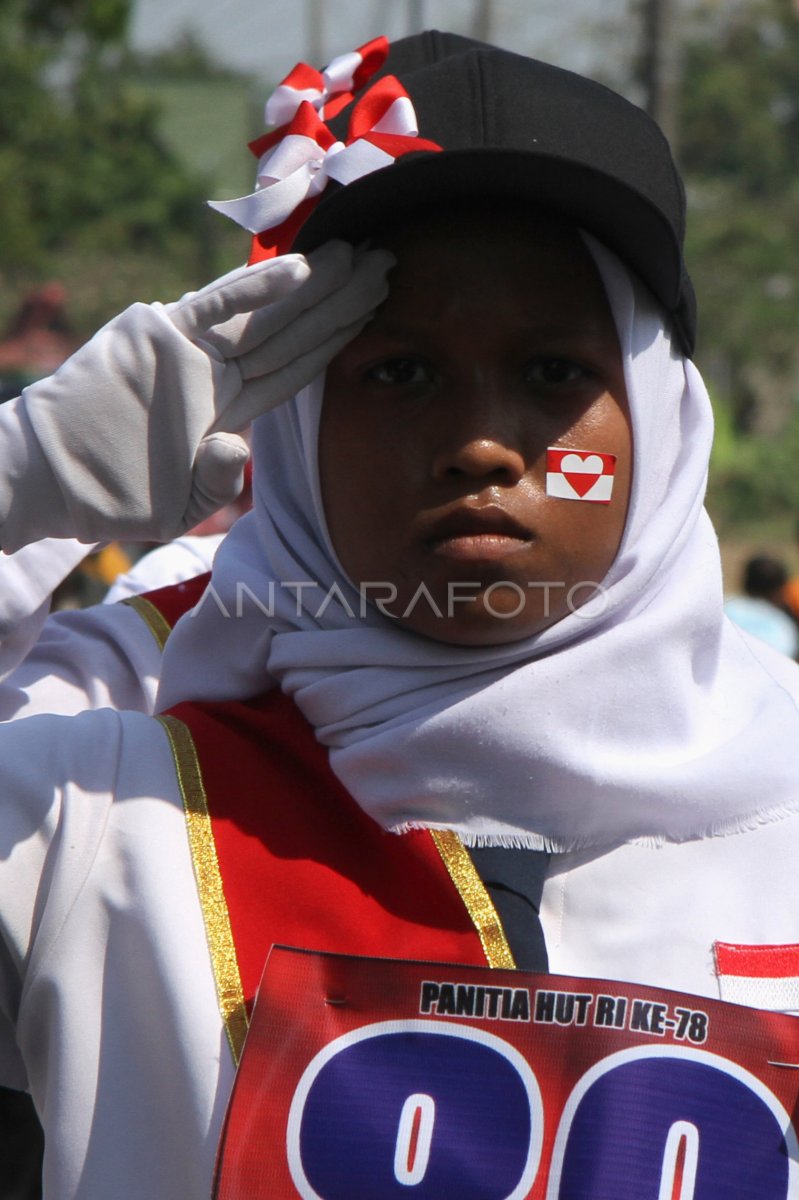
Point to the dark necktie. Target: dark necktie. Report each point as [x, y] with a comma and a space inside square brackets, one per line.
[514, 880]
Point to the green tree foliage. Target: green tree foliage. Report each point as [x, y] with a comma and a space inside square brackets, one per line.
[739, 149]
[739, 144]
[102, 22]
[740, 119]
[89, 190]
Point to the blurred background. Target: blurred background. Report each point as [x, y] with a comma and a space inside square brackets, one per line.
[119, 118]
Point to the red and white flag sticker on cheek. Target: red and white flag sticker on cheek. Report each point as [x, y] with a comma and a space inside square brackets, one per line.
[580, 474]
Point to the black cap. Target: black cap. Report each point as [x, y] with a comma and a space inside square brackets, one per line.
[511, 127]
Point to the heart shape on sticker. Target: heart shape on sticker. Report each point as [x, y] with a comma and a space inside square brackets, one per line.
[581, 471]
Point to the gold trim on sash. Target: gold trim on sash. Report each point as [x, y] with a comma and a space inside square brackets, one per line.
[209, 884]
[479, 904]
[155, 621]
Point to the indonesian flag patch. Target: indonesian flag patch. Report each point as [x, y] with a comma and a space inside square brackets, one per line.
[760, 976]
[580, 474]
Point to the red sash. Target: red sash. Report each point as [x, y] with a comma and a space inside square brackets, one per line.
[284, 855]
[161, 608]
[300, 863]
[177, 598]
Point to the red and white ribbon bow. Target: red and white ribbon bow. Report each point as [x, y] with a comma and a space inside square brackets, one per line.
[327, 91]
[299, 159]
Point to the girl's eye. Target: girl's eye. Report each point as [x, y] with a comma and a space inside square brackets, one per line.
[554, 371]
[400, 372]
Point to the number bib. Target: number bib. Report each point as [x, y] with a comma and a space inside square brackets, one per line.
[372, 1078]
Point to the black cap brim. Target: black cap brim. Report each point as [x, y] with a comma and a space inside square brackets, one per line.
[515, 129]
[628, 224]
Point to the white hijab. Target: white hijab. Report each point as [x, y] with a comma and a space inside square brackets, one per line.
[642, 716]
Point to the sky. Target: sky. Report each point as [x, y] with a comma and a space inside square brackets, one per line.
[266, 37]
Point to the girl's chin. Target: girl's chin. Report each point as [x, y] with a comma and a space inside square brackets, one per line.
[479, 626]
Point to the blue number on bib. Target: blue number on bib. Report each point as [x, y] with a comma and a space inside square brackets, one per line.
[660, 1126]
[417, 1115]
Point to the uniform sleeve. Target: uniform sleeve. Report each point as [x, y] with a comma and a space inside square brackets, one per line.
[56, 784]
[100, 657]
[27, 580]
[107, 989]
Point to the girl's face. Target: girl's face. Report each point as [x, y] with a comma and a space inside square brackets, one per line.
[495, 343]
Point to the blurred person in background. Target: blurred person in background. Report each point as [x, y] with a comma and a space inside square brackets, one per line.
[789, 595]
[36, 340]
[761, 609]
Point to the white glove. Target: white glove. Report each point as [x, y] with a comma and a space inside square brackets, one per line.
[134, 436]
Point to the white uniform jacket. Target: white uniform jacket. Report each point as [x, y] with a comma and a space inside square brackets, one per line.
[108, 999]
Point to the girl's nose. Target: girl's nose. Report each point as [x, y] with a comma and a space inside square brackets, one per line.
[481, 442]
[488, 458]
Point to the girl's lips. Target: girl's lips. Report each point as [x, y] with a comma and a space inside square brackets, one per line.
[481, 547]
[477, 535]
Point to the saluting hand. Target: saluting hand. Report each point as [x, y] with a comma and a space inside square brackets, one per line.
[136, 435]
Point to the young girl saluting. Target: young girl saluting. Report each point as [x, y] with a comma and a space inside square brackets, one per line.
[461, 688]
